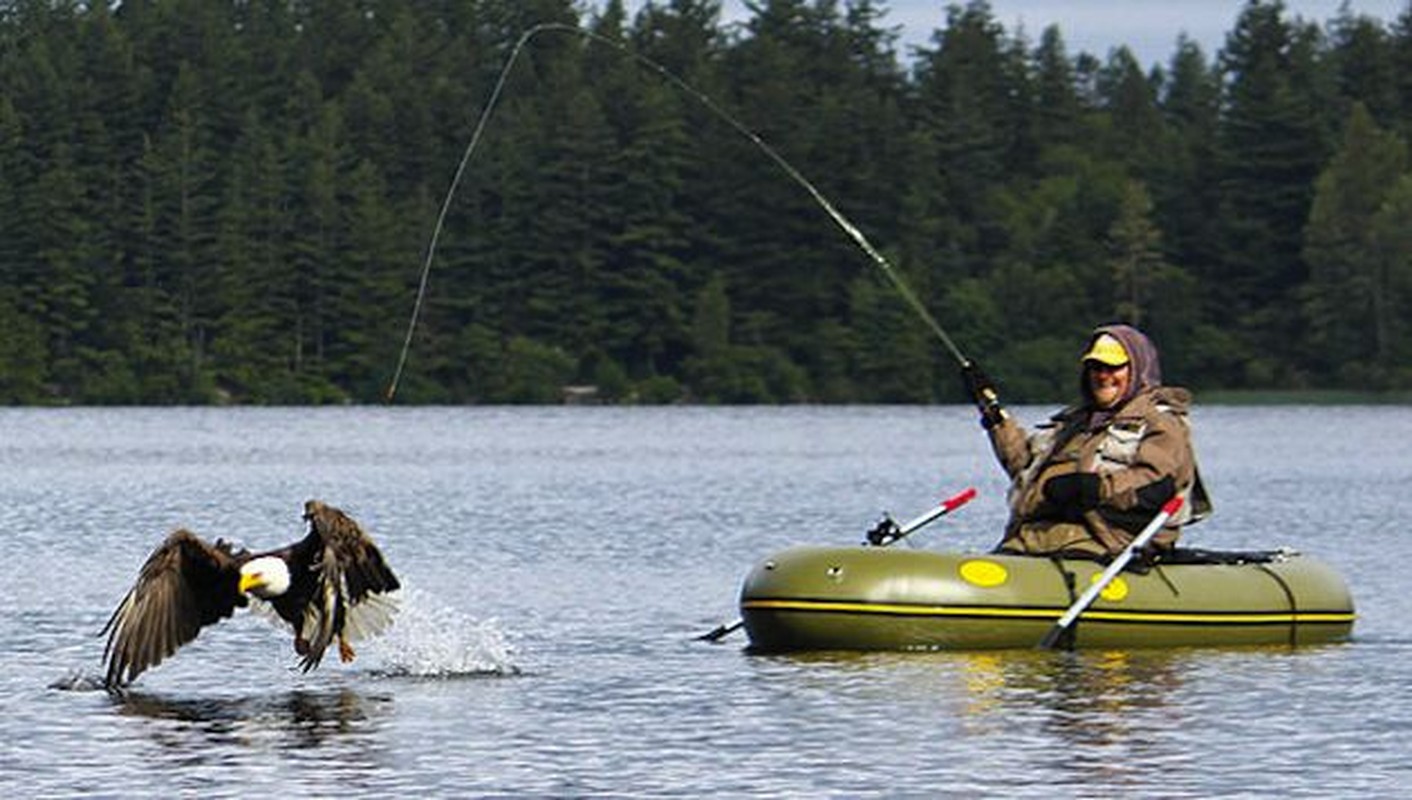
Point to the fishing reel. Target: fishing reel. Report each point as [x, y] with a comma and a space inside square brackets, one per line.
[885, 532]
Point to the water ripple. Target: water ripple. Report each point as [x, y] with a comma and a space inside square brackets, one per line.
[577, 553]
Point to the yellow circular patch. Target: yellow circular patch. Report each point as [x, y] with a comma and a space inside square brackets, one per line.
[1116, 590]
[984, 574]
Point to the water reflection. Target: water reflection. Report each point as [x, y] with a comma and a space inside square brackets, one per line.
[1092, 696]
[1084, 715]
[298, 720]
[1069, 685]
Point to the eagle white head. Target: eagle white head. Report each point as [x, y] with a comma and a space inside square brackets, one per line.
[264, 577]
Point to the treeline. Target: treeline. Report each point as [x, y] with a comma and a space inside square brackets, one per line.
[206, 201]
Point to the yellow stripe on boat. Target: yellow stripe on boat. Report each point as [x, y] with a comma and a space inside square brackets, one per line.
[892, 609]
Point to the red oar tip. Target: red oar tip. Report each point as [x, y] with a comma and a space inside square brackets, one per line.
[960, 500]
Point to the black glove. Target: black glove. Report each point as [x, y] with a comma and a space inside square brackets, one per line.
[1074, 493]
[981, 389]
[1154, 495]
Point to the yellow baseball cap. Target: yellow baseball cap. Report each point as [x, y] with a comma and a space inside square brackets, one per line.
[1107, 350]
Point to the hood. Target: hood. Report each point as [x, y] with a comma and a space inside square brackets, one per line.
[1142, 355]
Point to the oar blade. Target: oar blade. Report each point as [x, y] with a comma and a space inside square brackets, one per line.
[1057, 638]
[720, 631]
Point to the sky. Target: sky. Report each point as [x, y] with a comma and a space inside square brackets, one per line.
[1148, 27]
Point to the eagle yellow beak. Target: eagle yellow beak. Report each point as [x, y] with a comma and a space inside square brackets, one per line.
[251, 581]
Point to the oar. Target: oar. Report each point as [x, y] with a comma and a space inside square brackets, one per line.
[946, 507]
[1056, 633]
[888, 531]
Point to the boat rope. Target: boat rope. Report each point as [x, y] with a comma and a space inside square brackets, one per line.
[1072, 587]
[837, 216]
[1293, 604]
[1162, 573]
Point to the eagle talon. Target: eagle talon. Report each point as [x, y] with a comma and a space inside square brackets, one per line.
[345, 650]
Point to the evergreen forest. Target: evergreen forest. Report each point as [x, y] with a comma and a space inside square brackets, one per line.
[231, 201]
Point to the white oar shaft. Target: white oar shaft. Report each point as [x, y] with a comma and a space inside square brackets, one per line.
[946, 507]
[1086, 599]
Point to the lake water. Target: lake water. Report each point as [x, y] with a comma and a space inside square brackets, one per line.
[559, 563]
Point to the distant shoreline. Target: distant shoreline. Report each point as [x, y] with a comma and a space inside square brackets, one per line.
[1215, 397]
[1306, 397]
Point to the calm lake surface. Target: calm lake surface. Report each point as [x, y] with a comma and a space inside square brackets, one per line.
[558, 564]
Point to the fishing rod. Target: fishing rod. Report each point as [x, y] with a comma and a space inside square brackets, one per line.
[837, 216]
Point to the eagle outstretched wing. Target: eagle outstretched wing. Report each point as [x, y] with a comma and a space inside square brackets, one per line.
[349, 598]
[185, 585]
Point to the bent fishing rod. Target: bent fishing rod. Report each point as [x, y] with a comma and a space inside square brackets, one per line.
[844, 224]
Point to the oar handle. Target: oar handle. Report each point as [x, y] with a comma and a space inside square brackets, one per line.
[947, 506]
[1086, 599]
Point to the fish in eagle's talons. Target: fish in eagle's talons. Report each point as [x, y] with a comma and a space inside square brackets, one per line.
[332, 584]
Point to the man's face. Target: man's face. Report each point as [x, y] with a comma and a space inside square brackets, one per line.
[1108, 384]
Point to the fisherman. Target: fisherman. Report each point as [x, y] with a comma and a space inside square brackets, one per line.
[1086, 482]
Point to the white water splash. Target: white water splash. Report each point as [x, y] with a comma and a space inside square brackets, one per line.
[78, 679]
[430, 640]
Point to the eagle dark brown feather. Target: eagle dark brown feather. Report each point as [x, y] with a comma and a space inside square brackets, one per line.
[185, 585]
[341, 570]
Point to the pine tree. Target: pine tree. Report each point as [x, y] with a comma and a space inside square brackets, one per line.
[1346, 300]
[252, 245]
[1058, 113]
[1136, 255]
[965, 87]
[1271, 147]
[1361, 57]
[1183, 186]
[1392, 234]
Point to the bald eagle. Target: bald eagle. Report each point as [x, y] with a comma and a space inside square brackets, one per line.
[332, 584]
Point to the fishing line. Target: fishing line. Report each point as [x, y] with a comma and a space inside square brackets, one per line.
[839, 219]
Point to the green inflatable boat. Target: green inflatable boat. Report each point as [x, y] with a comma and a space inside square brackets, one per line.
[879, 598]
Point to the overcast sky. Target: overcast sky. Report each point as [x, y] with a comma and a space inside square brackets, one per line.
[1148, 27]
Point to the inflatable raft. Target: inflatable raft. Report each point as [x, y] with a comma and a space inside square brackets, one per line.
[878, 598]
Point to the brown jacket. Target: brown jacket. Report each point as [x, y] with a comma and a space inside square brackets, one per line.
[1142, 442]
